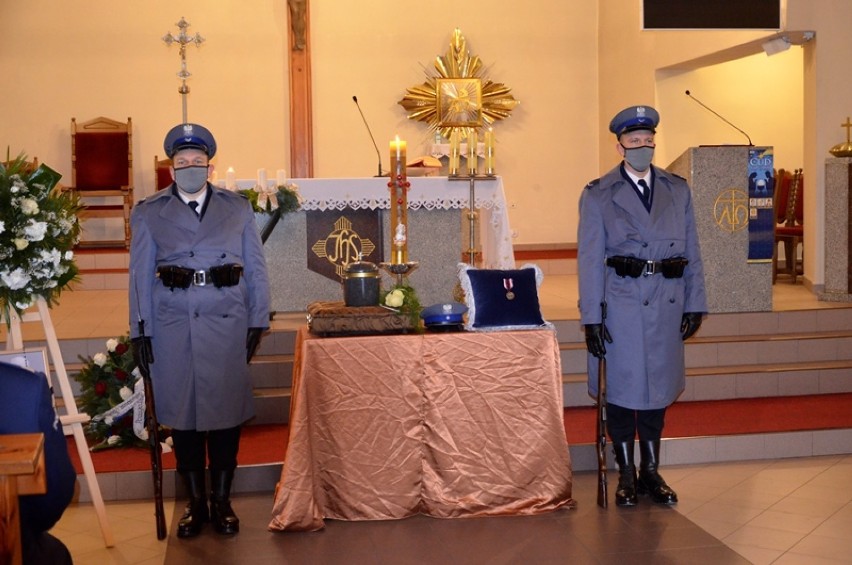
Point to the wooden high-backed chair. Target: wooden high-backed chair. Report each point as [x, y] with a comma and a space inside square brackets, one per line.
[162, 176]
[102, 172]
[789, 218]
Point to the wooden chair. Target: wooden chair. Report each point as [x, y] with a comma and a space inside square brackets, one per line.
[789, 220]
[101, 172]
[162, 176]
[29, 166]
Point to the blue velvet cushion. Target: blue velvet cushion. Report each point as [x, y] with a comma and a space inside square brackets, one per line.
[488, 292]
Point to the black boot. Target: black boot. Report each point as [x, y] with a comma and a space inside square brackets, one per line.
[625, 495]
[196, 512]
[650, 481]
[221, 514]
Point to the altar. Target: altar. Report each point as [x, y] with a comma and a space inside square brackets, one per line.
[438, 228]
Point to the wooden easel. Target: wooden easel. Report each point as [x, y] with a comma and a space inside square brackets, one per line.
[73, 420]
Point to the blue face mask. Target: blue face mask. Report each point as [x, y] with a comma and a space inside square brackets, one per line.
[191, 179]
[639, 158]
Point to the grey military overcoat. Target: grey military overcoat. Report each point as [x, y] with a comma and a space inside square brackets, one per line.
[645, 361]
[200, 374]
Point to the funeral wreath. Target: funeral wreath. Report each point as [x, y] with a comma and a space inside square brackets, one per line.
[114, 396]
[38, 230]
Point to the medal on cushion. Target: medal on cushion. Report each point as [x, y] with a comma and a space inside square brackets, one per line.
[508, 284]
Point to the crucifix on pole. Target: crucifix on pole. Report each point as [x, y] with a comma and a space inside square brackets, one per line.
[183, 39]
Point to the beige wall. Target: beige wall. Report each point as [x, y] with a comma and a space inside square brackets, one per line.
[86, 58]
[571, 64]
[761, 95]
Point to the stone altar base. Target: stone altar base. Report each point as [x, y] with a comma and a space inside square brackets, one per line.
[435, 241]
[838, 272]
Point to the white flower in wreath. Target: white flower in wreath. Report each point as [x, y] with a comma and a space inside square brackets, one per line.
[23, 305]
[69, 254]
[109, 420]
[29, 206]
[64, 225]
[20, 243]
[16, 279]
[125, 393]
[53, 256]
[111, 344]
[35, 230]
[100, 359]
[2, 227]
[113, 440]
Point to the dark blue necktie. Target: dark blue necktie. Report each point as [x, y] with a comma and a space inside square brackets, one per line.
[646, 193]
[194, 205]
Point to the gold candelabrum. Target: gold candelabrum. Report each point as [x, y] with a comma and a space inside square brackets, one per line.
[471, 176]
[398, 185]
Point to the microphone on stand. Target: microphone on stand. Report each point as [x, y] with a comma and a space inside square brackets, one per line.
[378, 153]
[720, 117]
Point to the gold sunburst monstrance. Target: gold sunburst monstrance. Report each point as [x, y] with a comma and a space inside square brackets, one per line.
[459, 96]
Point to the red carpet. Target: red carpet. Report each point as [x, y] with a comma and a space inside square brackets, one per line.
[268, 443]
[259, 444]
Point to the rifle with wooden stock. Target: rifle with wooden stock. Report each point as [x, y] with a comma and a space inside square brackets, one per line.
[601, 422]
[153, 428]
[145, 358]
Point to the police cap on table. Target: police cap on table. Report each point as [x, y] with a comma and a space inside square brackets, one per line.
[634, 118]
[443, 314]
[189, 136]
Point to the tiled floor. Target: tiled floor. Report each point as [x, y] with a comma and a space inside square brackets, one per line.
[788, 511]
[770, 511]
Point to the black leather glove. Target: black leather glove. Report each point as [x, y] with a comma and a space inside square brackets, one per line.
[143, 353]
[252, 342]
[690, 323]
[596, 335]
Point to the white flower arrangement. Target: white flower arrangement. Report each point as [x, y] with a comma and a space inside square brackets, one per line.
[38, 230]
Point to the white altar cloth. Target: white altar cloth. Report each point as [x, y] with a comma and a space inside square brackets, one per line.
[429, 193]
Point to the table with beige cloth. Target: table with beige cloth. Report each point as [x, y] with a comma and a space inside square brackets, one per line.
[443, 424]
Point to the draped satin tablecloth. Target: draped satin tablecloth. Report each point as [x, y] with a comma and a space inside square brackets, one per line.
[448, 425]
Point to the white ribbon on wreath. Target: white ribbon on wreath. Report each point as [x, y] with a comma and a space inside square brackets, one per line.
[136, 403]
[267, 194]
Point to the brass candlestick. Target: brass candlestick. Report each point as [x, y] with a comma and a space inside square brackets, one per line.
[472, 214]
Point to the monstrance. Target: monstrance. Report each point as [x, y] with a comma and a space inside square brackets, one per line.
[456, 102]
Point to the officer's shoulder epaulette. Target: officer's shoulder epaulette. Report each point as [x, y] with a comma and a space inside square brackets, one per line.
[677, 176]
[594, 183]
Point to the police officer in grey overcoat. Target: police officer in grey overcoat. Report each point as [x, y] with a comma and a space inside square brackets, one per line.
[639, 265]
[199, 291]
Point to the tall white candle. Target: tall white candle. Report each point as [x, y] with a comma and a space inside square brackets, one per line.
[454, 152]
[281, 177]
[489, 152]
[231, 179]
[472, 157]
[261, 178]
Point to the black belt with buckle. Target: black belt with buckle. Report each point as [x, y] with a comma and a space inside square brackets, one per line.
[174, 276]
[633, 267]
